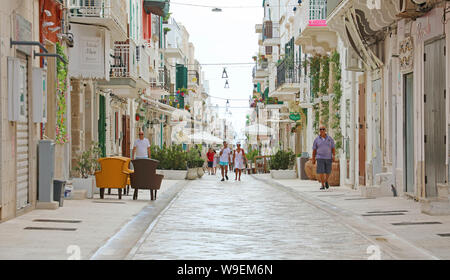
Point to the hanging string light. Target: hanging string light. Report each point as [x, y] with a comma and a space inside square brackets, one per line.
[224, 73]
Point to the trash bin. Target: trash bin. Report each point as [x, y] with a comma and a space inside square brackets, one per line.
[303, 160]
[58, 191]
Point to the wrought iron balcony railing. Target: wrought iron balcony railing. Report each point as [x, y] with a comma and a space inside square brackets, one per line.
[125, 61]
[288, 72]
[164, 79]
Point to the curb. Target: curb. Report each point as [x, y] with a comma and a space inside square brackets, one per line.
[389, 243]
[120, 245]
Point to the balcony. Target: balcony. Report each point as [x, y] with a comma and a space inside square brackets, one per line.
[124, 72]
[164, 79]
[173, 101]
[143, 67]
[157, 7]
[111, 14]
[271, 34]
[288, 82]
[316, 37]
[193, 79]
[261, 71]
[258, 28]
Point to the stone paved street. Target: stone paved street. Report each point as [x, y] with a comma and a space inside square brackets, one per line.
[246, 220]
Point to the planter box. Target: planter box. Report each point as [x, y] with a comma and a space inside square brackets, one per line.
[333, 180]
[192, 174]
[173, 174]
[85, 184]
[283, 174]
[200, 172]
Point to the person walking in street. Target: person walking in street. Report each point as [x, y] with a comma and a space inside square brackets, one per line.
[141, 147]
[238, 159]
[325, 152]
[225, 154]
[230, 163]
[210, 156]
[216, 161]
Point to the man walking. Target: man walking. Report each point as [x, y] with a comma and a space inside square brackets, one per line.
[324, 150]
[224, 160]
[141, 147]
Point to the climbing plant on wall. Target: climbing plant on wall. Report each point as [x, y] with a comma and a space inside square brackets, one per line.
[336, 102]
[314, 74]
[324, 85]
[61, 92]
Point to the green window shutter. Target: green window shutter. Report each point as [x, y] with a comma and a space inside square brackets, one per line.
[181, 81]
[266, 94]
[259, 87]
[102, 125]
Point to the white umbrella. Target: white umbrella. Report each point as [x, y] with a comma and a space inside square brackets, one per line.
[200, 137]
[215, 139]
[259, 129]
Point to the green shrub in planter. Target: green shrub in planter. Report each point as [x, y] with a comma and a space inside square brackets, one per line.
[282, 160]
[170, 158]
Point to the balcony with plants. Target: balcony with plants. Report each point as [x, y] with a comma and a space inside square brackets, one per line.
[177, 100]
[261, 68]
[111, 14]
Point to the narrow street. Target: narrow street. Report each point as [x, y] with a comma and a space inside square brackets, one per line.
[245, 220]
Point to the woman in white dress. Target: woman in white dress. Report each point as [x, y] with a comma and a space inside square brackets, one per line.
[238, 159]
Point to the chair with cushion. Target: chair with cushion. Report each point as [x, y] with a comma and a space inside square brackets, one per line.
[145, 177]
[113, 174]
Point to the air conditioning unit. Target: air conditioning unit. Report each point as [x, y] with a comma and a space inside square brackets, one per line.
[414, 8]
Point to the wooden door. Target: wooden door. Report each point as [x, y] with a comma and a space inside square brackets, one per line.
[362, 134]
[126, 145]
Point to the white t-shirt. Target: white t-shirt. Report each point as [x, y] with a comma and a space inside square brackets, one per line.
[225, 154]
[141, 147]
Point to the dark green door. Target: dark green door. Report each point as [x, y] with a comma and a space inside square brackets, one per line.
[181, 81]
[102, 125]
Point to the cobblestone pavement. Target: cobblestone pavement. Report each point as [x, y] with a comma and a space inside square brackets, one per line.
[246, 220]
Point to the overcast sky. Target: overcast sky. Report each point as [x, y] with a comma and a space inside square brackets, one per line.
[225, 37]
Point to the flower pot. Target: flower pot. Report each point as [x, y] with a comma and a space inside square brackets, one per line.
[333, 180]
[172, 174]
[192, 174]
[87, 184]
[283, 174]
[200, 172]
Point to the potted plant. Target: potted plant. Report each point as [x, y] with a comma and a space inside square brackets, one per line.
[172, 161]
[85, 166]
[200, 170]
[281, 165]
[251, 158]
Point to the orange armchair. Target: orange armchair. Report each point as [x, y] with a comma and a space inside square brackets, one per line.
[114, 174]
